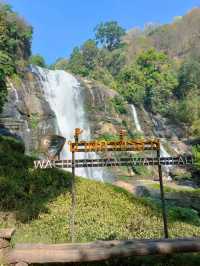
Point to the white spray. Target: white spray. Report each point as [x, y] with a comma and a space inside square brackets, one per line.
[64, 94]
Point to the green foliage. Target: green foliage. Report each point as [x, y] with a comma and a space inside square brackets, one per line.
[3, 90]
[6, 65]
[76, 63]
[15, 42]
[6, 68]
[109, 34]
[37, 60]
[83, 60]
[150, 79]
[23, 189]
[131, 84]
[89, 53]
[109, 137]
[34, 120]
[184, 214]
[60, 64]
[95, 63]
[119, 105]
[160, 80]
[196, 154]
[15, 34]
[113, 61]
[104, 76]
[186, 108]
[189, 77]
[100, 64]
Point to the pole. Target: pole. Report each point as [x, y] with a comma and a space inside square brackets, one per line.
[73, 193]
[78, 131]
[162, 196]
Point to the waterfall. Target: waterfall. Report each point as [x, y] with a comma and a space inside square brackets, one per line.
[65, 97]
[12, 87]
[135, 117]
[15, 94]
[163, 152]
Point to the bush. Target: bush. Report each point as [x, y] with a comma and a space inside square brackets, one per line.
[37, 60]
[21, 187]
[119, 105]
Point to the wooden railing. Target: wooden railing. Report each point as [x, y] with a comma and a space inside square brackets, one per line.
[24, 254]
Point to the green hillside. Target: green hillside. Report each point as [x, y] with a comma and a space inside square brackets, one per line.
[37, 203]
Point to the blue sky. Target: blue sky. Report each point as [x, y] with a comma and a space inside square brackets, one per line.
[60, 25]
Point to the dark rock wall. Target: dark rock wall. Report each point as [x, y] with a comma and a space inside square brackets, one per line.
[26, 113]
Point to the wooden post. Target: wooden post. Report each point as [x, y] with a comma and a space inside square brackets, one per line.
[73, 193]
[73, 188]
[162, 196]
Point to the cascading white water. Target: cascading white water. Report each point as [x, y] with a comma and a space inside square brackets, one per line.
[64, 94]
[135, 117]
[16, 96]
[163, 152]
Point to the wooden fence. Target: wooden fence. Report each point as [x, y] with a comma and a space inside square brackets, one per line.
[24, 254]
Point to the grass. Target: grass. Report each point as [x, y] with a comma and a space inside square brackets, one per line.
[104, 212]
[184, 191]
[38, 203]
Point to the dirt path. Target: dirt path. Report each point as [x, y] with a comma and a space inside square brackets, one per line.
[146, 183]
[129, 187]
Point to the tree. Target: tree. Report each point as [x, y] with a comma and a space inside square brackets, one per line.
[37, 60]
[131, 84]
[83, 60]
[189, 77]
[6, 69]
[15, 34]
[60, 64]
[76, 63]
[150, 79]
[113, 61]
[109, 35]
[15, 43]
[89, 51]
[160, 79]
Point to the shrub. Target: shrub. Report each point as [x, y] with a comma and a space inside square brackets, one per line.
[119, 105]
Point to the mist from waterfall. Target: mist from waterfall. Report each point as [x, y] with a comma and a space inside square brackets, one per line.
[65, 97]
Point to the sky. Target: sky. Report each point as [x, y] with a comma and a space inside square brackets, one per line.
[60, 25]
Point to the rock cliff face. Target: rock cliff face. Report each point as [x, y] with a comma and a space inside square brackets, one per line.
[101, 113]
[28, 115]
